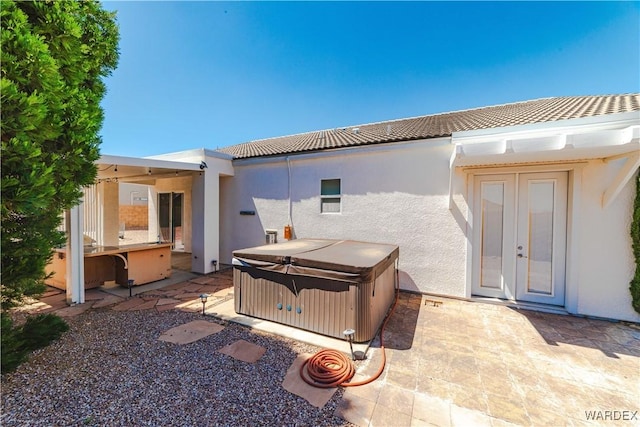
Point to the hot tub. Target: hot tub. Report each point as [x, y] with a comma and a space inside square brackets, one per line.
[323, 286]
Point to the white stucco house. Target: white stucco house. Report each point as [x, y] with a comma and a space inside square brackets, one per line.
[527, 203]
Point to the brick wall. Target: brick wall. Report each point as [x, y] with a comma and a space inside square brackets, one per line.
[134, 217]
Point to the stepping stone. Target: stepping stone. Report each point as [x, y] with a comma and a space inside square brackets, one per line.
[166, 307]
[148, 305]
[107, 301]
[51, 293]
[73, 310]
[170, 293]
[51, 300]
[176, 286]
[294, 384]
[192, 296]
[190, 332]
[94, 295]
[223, 292]
[202, 280]
[165, 301]
[206, 289]
[190, 306]
[192, 287]
[128, 304]
[243, 350]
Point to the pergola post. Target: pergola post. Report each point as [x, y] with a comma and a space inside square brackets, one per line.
[75, 254]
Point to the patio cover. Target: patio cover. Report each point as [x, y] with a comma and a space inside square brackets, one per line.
[475, 150]
[120, 169]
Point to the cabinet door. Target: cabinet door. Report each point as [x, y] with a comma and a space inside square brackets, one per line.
[149, 265]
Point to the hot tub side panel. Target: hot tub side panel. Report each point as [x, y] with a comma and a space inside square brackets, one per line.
[319, 305]
[374, 300]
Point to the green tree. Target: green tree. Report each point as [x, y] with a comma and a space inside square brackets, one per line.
[635, 244]
[54, 55]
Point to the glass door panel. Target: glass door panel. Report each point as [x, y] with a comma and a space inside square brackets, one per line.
[542, 217]
[164, 216]
[176, 221]
[492, 201]
[494, 219]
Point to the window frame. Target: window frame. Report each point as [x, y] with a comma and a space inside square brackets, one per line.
[324, 197]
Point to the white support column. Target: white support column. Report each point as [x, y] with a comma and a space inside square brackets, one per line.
[75, 255]
[206, 221]
[152, 215]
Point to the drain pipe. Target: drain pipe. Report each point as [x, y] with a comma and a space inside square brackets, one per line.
[289, 191]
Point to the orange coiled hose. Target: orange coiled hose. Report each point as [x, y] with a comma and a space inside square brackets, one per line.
[327, 368]
[330, 368]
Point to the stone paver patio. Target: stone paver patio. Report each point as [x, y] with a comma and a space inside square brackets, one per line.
[457, 363]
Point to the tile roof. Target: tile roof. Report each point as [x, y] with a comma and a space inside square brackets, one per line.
[440, 125]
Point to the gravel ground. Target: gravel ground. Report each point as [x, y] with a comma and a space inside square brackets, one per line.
[110, 369]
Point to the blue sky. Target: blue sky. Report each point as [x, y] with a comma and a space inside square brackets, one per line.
[213, 74]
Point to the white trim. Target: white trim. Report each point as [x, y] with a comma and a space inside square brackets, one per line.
[630, 167]
[469, 235]
[193, 153]
[547, 148]
[147, 163]
[574, 207]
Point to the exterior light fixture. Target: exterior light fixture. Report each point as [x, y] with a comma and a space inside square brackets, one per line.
[349, 333]
[203, 299]
[130, 284]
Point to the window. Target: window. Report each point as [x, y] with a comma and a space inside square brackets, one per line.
[330, 196]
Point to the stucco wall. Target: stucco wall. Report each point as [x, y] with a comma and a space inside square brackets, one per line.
[606, 258]
[394, 194]
[399, 194]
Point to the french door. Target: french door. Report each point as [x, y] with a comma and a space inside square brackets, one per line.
[519, 242]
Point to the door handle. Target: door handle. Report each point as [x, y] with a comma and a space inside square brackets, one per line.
[521, 256]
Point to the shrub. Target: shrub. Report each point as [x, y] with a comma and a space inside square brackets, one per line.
[635, 243]
[37, 332]
[12, 354]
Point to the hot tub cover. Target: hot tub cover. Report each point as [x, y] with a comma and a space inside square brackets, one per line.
[332, 259]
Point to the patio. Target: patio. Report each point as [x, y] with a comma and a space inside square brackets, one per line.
[453, 362]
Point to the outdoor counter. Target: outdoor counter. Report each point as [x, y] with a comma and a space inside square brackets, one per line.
[143, 263]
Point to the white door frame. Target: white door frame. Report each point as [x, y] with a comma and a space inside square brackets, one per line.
[574, 200]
